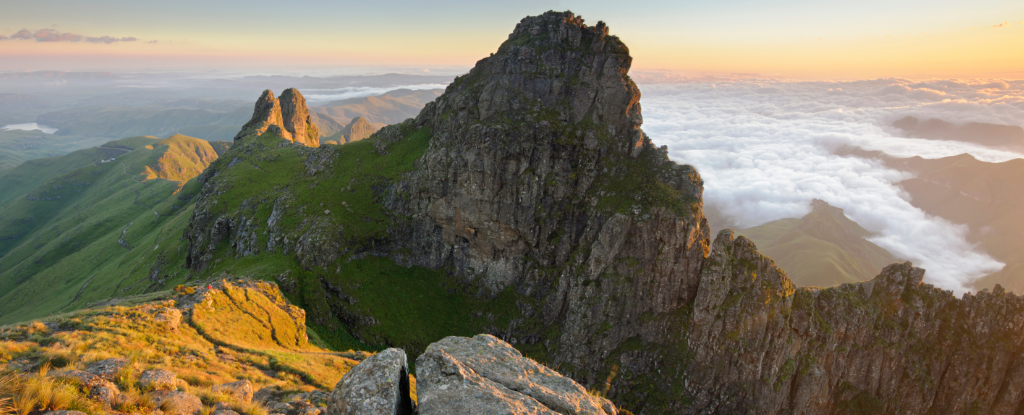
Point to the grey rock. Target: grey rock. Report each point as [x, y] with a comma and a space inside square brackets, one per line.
[170, 317]
[183, 403]
[267, 394]
[288, 117]
[483, 374]
[239, 391]
[158, 379]
[304, 408]
[62, 412]
[377, 385]
[107, 368]
[97, 388]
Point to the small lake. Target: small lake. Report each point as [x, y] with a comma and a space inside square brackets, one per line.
[29, 127]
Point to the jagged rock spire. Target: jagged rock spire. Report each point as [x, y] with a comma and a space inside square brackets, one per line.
[287, 117]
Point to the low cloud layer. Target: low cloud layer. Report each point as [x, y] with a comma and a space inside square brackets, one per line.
[50, 35]
[766, 149]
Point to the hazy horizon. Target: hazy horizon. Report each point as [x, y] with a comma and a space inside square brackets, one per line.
[790, 40]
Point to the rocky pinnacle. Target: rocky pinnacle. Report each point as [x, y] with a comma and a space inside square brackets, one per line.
[287, 117]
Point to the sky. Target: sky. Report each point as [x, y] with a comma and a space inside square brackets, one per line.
[792, 39]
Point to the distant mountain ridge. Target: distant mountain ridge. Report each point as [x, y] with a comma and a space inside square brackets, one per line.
[822, 249]
[83, 215]
[993, 135]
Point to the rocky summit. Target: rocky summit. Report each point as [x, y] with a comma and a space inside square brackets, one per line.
[287, 117]
[526, 202]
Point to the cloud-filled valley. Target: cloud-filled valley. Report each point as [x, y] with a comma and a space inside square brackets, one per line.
[766, 149]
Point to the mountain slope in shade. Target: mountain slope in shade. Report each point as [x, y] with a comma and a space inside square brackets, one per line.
[822, 249]
[987, 197]
[356, 130]
[390, 108]
[993, 135]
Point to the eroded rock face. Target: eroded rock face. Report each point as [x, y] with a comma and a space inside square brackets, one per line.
[539, 184]
[377, 385]
[483, 374]
[288, 117]
[539, 180]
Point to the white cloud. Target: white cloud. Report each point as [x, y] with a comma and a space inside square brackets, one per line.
[765, 149]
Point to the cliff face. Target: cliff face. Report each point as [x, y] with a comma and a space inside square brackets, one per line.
[534, 186]
[287, 117]
[532, 150]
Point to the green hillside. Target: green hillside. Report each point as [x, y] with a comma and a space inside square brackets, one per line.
[822, 249]
[123, 122]
[98, 231]
[20, 180]
[17, 146]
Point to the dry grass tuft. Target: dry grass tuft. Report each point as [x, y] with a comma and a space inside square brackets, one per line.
[249, 408]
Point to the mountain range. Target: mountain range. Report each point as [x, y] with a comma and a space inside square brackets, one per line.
[525, 202]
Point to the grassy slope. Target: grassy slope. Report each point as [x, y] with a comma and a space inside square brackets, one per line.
[70, 253]
[414, 306]
[17, 147]
[18, 181]
[822, 249]
[133, 329]
[121, 122]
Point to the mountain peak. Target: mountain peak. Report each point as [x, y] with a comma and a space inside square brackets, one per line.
[552, 71]
[287, 116]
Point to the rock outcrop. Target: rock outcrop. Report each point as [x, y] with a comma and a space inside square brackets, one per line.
[462, 376]
[539, 180]
[539, 190]
[182, 402]
[378, 385]
[239, 391]
[157, 379]
[483, 374]
[286, 116]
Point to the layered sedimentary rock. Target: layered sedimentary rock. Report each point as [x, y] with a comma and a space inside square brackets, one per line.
[286, 116]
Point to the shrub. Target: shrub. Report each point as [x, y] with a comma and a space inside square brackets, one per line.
[183, 290]
[37, 327]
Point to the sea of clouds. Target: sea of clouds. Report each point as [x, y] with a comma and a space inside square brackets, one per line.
[767, 148]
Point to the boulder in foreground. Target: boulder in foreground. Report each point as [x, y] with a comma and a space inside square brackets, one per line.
[483, 374]
[378, 385]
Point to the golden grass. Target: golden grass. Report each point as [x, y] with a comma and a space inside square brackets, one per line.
[282, 359]
[27, 393]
